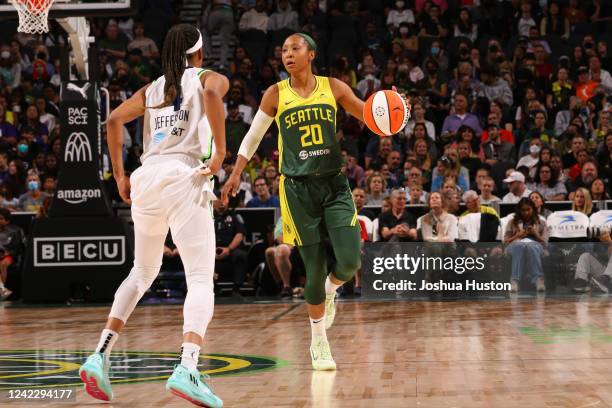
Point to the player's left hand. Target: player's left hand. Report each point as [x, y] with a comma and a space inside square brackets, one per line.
[214, 164]
[223, 254]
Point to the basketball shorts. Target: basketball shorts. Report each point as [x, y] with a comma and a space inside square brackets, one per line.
[312, 205]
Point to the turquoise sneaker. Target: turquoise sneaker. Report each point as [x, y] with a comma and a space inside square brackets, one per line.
[94, 374]
[190, 385]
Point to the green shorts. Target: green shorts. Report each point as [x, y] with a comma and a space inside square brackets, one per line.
[312, 205]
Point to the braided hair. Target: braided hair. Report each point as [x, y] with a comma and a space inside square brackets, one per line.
[180, 38]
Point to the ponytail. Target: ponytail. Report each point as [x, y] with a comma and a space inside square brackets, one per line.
[179, 39]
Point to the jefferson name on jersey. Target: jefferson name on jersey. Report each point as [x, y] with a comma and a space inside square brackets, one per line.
[166, 121]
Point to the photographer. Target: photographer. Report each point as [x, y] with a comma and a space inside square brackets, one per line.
[230, 258]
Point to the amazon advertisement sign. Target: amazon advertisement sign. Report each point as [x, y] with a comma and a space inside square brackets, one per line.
[80, 191]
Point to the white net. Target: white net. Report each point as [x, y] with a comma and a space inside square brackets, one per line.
[33, 15]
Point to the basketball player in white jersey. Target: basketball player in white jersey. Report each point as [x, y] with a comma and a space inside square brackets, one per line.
[183, 114]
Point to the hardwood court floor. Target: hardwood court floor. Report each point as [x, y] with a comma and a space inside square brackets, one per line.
[511, 353]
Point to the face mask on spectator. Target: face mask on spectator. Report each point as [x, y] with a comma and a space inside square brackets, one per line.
[399, 4]
[435, 50]
[534, 149]
[5, 55]
[33, 185]
[22, 148]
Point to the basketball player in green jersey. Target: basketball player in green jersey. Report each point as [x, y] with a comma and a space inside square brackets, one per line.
[316, 200]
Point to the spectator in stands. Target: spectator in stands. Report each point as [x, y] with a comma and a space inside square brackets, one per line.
[595, 71]
[279, 260]
[603, 130]
[560, 89]
[369, 84]
[432, 24]
[598, 191]
[468, 158]
[255, 19]
[516, 185]
[585, 86]
[376, 188]
[235, 127]
[416, 195]
[486, 193]
[554, 22]
[10, 69]
[397, 224]
[540, 204]
[114, 43]
[438, 225]
[47, 119]
[284, 18]
[49, 185]
[582, 202]
[493, 87]
[452, 201]
[400, 14]
[460, 117]
[32, 121]
[34, 197]
[263, 197]
[418, 116]
[229, 233]
[8, 132]
[591, 268]
[524, 237]
[465, 26]
[526, 20]
[377, 151]
[497, 153]
[578, 144]
[359, 198]
[354, 172]
[145, 44]
[473, 205]
[12, 240]
[495, 118]
[532, 159]
[219, 21]
[574, 13]
[588, 174]
[546, 182]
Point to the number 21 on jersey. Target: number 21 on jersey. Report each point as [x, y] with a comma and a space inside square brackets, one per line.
[311, 134]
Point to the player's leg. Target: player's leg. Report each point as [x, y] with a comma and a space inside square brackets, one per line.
[315, 262]
[195, 240]
[344, 233]
[147, 261]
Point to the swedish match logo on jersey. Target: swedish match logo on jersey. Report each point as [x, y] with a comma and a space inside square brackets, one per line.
[59, 368]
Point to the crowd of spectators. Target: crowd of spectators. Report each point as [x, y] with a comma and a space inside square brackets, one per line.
[510, 99]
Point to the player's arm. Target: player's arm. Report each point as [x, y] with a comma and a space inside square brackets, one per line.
[346, 98]
[215, 87]
[124, 113]
[261, 122]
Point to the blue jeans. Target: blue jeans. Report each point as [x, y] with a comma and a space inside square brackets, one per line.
[526, 256]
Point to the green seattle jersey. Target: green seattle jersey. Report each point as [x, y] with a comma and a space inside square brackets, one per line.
[307, 143]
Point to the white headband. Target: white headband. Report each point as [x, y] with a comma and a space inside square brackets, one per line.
[197, 46]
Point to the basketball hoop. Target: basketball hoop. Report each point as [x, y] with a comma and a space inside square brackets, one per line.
[33, 15]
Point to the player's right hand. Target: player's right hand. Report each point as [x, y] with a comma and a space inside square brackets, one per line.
[124, 187]
[231, 186]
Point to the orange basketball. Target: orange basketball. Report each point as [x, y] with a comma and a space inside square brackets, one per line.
[385, 113]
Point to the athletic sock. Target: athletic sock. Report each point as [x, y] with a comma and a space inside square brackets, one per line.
[107, 341]
[330, 287]
[190, 353]
[317, 327]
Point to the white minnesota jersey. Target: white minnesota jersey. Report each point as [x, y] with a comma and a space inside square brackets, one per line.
[185, 131]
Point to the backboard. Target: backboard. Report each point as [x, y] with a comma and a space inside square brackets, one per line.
[74, 8]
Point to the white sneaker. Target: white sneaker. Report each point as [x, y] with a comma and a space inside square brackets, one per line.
[320, 354]
[514, 286]
[540, 286]
[330, 310]
[5, 293]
